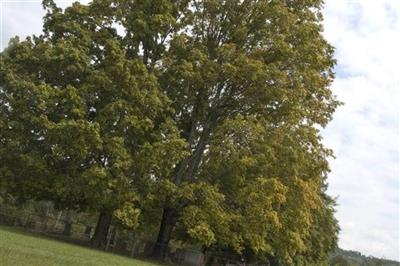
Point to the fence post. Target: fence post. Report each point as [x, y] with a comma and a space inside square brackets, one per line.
[27, 220]
[88, 231]
[56, 222]
[134, 243]
[110, 237]
[68, 224]
[115, 240]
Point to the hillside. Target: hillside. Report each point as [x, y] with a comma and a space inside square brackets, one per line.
[355, 258]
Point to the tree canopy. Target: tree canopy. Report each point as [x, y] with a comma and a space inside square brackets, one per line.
[201, 117]
[82, 123]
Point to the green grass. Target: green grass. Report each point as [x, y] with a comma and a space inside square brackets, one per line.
[18, 248]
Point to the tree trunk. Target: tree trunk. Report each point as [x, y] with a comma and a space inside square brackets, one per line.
[160, 249]
[185, 171]
[99, 238]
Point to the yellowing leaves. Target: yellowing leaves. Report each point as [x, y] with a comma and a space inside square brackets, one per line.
[127, 215]
[202, 233]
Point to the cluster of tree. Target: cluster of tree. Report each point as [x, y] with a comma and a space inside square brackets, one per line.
[196, 117]
[353, 258]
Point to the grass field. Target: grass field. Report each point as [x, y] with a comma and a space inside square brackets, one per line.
[18, 248]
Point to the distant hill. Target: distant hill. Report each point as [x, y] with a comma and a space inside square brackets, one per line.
[354, 258]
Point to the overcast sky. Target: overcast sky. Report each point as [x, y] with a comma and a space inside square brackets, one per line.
[365, 131]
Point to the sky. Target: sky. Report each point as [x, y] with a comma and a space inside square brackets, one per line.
[364, 133]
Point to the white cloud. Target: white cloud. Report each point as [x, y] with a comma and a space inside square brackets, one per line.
[365, 131]
[19, 18]
[23, 18]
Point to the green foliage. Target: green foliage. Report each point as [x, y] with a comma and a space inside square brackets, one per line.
[250, 83]
[206, 109]
[82, 123]
[127, 215]
[275, 190]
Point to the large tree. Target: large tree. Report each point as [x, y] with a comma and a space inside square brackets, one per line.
[218, 73]
[82, 123]
[265, 59]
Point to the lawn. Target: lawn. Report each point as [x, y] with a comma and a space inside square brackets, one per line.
[18, 248]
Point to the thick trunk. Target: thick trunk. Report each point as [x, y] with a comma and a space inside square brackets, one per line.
[160, 249]
[185, 171]
[99, 238]
[198, 141]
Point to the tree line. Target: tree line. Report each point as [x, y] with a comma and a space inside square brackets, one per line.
[200, 118]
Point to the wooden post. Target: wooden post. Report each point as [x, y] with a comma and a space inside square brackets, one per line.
[57, 220]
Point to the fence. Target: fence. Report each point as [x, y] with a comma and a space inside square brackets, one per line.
[63, 226]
